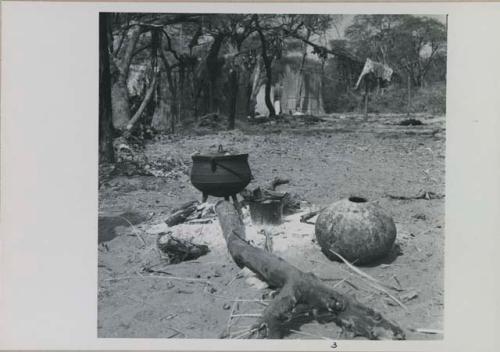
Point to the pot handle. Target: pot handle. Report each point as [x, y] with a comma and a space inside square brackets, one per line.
[213, 164]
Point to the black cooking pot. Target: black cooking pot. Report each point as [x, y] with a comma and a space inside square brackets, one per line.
[220, 175]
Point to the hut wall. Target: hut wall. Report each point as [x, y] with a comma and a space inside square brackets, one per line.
[296, 91]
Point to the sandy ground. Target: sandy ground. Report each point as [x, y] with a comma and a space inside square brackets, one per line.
[345, 155]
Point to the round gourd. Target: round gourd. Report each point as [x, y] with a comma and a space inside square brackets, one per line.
[356, 229]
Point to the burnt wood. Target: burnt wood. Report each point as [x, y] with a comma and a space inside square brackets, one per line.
[299, 291]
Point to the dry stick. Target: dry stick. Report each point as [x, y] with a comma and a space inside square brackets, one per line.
[268, 245]
[310, 215]
[428, 331]
[181, 279]
[237, 276]
[396, 279]
[239, 332]
[227, 331]
[120, 278]
[375, 283]
[263, 301]
[230, 299]
[160, 277]
[341, 269]
[178, 331]
[351, 284]
[388, 294]
[308, 334]
[246, 315]
[135, 231]
[248, 332]
[200, 221]
[424, 195]
[339, 283]
[360, 272]
[173, 335]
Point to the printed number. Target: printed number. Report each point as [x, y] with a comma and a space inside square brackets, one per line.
[333, 345]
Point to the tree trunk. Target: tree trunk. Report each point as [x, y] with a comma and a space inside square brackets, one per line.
[120, 103]
[173, 92]
[181, 96]
[307, 92]
[213, 70]
[106, 153]
[269, 78]
[301, 294]
[366, 99]
[268, 61]
[142, 107]
[301, 71]
[408, 105]
[254, 89]
[119, 91]
[161, 114]
[234, 98]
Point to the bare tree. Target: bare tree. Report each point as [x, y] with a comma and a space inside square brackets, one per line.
[106, 153]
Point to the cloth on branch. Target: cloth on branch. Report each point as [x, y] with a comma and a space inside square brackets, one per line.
[380, 71]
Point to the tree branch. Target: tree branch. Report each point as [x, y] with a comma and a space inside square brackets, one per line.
[122, 39]
[169, 46]
[183, 18]
[129, 51]
[144, 103]
[144, 47]
[297, 289]
[336, 51]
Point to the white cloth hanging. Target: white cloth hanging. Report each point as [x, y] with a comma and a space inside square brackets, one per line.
[381, 71]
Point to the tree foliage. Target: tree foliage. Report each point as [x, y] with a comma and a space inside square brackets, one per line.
[411, 44]
[194, 64]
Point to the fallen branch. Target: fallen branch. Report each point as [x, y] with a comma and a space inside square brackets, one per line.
[299, 291]
[277, 181]
[362, 273]
[179, 250]
[309, 215]
[136, 233]
[423, 195]
[428, 331]
[180, 215]
[188, 279]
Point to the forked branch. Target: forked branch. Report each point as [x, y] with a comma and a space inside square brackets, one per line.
[301, 294]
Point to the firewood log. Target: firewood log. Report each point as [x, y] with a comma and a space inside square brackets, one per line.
[300, 292]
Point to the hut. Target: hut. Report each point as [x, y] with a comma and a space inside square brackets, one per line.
[297, 88]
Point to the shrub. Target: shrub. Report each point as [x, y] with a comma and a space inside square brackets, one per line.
[430, 99]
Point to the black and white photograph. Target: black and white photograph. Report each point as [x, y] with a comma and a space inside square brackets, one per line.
[271, 176]
[233, 176]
